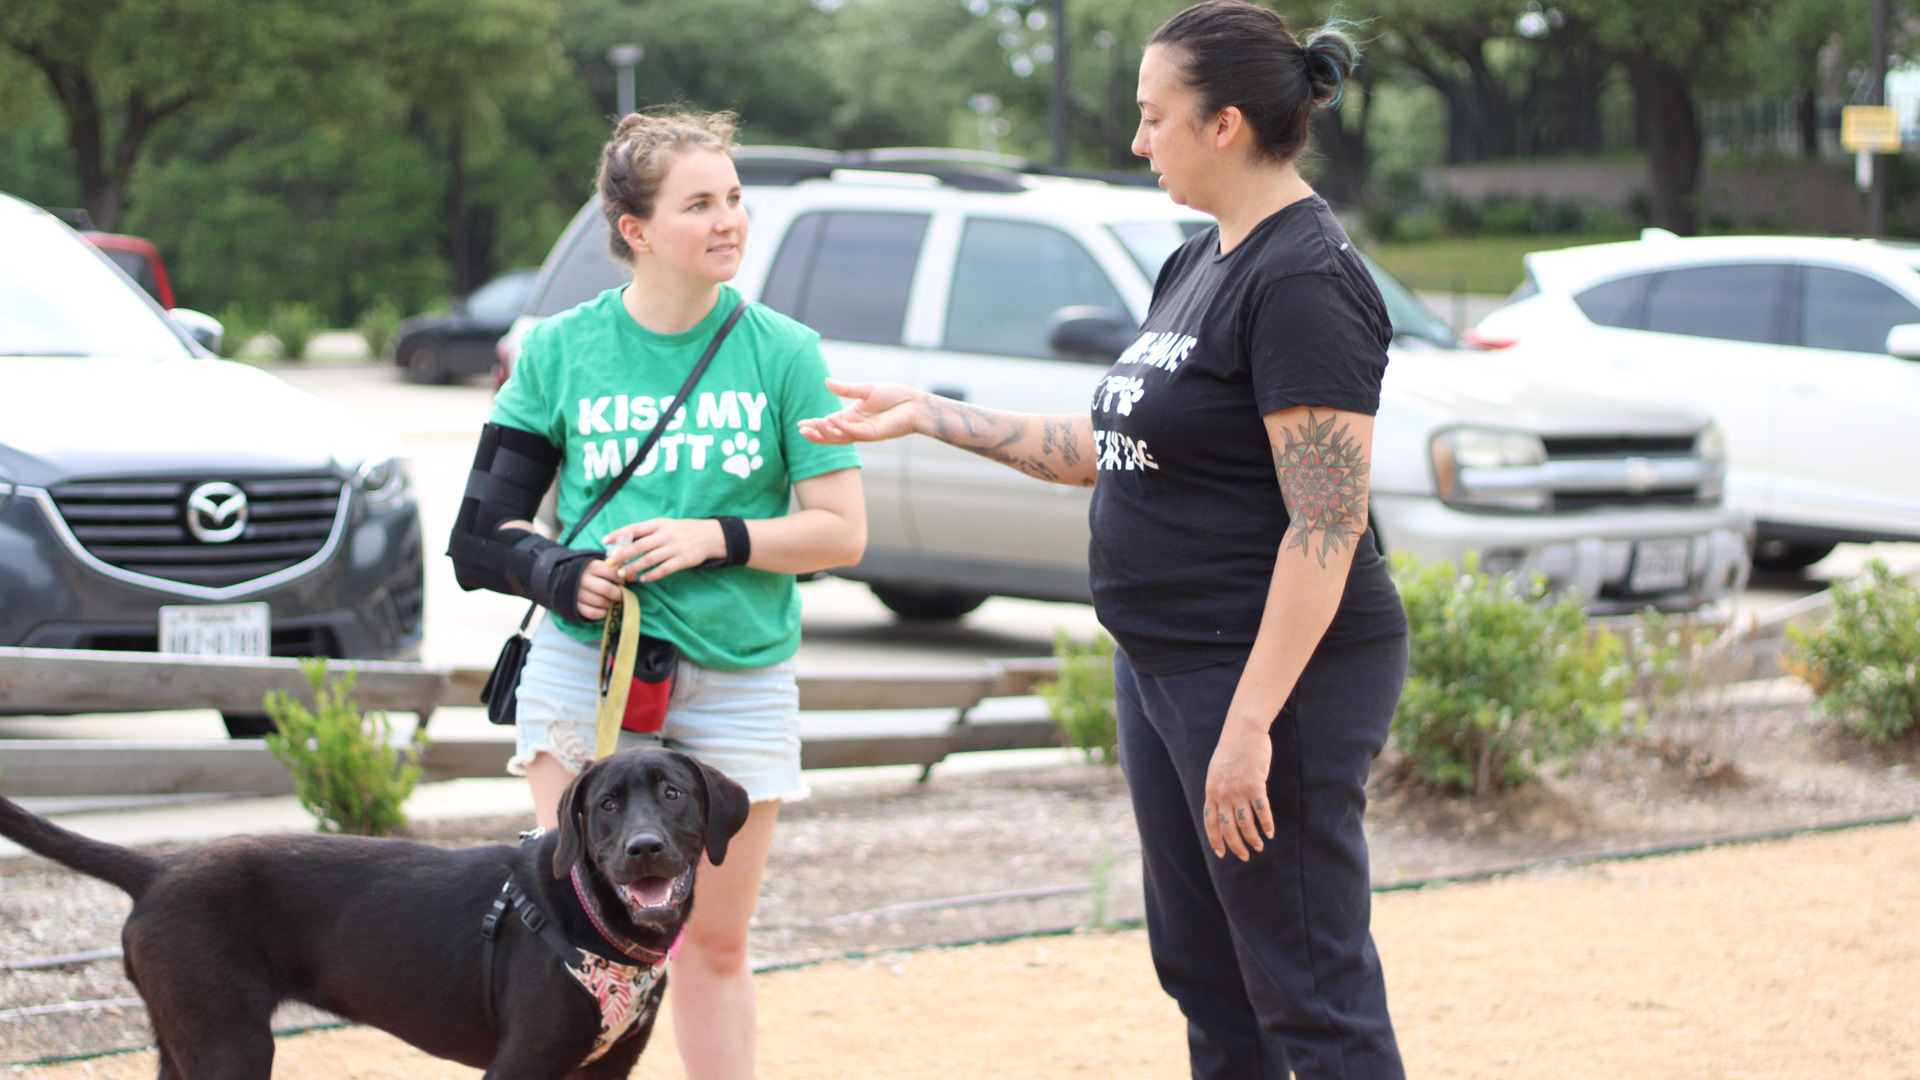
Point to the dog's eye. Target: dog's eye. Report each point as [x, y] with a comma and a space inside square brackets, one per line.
[608, 804]
[670, 792]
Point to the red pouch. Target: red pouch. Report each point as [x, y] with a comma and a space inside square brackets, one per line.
[653, 664]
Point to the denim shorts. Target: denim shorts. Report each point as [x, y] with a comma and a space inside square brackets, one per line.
[744, 723]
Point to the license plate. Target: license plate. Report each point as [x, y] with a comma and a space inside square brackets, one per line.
[215, 629]
[1659, 566]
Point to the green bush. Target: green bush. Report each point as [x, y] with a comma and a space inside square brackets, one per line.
[1081, 699]
[377, 324]
[1501, 678]
[293, 325]
[344, 768]
[237, 329]
[1863, 662]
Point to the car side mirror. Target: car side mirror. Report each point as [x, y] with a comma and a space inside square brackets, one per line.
[1090, 333]
[1903, 341]
[207, 331]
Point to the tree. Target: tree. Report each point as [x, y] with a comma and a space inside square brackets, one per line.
[455, 62]
[1663, 46]
[121, 69]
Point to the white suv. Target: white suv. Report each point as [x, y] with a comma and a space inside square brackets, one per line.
[1805, 349]
[979, 280]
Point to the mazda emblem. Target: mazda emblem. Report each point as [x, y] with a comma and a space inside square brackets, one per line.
[217, 512]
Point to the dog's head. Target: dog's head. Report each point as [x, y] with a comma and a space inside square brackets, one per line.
[643, 818]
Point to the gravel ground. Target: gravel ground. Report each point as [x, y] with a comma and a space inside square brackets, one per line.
[963, 858]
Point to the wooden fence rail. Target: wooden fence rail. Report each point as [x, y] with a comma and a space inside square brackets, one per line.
[56, 682]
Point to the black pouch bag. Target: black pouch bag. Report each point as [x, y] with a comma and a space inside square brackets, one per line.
[498, 693]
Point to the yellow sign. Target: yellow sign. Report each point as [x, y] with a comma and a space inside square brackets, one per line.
[1870, 129]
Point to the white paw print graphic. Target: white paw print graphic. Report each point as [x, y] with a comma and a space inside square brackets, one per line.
[743, 455]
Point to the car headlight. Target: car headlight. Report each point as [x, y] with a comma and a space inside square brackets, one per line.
[1490, 468]
[1712, 444]
[383, 483]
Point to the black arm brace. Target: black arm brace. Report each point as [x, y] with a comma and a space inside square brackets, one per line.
[511, 472]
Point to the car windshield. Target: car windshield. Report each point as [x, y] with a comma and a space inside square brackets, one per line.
[1152, 242]
[59, 298]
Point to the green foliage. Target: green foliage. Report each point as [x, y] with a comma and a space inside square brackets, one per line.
[1081, 699]
[344, 768]
[293, 324]
[1490, 264]
[1501, 678]
[1863, 662]
[238, 328]
[377, 323]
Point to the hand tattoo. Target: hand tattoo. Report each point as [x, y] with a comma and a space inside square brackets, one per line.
[1323, 480]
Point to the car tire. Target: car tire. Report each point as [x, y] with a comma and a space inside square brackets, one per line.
[1787, 555]
[246, 725]
[927, 605]
[427, 366]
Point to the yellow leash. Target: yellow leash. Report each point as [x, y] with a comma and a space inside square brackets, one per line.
[618, 644]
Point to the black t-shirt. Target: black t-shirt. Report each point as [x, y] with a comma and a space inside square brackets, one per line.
[1187, 517]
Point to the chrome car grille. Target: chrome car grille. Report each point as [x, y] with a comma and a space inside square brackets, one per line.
[1594, 471]
[141, 526]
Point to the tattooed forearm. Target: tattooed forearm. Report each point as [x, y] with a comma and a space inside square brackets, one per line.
[1058, 435]
[1323, 480]
[1008, 438]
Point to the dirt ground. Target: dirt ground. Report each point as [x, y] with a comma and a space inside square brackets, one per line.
[1752, 960]
[1792, 957]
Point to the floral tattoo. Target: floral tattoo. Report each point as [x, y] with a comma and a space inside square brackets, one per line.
[1323, 480]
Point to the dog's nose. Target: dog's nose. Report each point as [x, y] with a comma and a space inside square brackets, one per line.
[646, 845]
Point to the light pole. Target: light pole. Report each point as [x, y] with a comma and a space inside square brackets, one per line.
[1059, 111]
[624, 58]
[1877, 95]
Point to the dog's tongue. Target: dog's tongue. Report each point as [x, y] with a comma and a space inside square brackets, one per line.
[648, 892]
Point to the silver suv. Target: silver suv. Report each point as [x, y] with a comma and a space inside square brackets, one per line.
[980, 279]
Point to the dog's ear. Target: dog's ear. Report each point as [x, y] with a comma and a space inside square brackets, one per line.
[573, 823]
[727, 808]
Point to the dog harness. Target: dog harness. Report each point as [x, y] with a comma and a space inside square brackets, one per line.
[624, 993]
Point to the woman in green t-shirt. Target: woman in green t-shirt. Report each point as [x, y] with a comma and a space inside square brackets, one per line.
[701, 532]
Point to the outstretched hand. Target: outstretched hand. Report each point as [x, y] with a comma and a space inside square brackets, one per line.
[874, 411]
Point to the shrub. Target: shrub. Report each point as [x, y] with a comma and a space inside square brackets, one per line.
[377, 324]
[1500, 678]
[293, 325]
[1863, 662]
[344, 769]
[237, 330]
[1081, 699]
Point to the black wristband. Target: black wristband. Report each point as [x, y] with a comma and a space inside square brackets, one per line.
[739, 542]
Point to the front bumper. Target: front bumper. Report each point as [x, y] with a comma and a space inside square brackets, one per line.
[1588, 552]
[363, 600]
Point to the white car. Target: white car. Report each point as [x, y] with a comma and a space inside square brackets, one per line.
[984, 282]
[1805, 349]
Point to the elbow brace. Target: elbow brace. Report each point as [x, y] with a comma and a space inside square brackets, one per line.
[511, 472]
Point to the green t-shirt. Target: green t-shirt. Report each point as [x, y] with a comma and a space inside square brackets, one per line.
[593, 382]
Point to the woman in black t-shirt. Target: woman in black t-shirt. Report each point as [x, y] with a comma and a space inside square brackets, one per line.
[1262, 646]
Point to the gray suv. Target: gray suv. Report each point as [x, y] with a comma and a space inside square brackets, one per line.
[154, 497]
[982, 280]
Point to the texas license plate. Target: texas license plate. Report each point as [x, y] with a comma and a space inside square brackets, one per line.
[1658, 566]
[215, 629]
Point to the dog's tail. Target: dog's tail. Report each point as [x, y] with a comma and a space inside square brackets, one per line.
[131, 870]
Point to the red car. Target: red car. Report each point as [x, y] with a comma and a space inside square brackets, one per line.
[140, 260]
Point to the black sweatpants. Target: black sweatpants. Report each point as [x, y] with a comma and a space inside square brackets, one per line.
[1271, 960]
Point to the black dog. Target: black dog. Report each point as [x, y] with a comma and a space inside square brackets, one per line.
[389, 933]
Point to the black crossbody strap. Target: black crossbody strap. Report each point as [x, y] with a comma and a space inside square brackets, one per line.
[659, 428]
